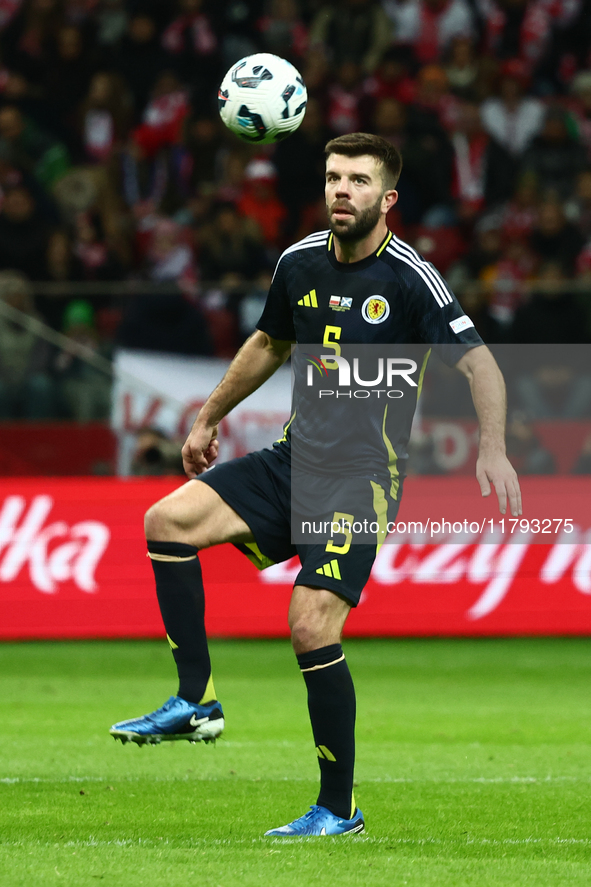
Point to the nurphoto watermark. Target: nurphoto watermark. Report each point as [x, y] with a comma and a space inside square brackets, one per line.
[369, 421]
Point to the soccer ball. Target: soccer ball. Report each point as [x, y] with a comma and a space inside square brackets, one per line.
[262, 98]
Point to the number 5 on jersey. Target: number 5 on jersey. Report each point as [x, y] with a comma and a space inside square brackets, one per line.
[330, 340]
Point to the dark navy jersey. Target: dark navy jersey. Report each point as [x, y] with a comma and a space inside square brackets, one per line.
[392, 297]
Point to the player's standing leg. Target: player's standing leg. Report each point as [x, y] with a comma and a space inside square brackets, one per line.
[316, 618]
[191, 518]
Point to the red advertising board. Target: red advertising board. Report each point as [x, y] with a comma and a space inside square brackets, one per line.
[73, 564]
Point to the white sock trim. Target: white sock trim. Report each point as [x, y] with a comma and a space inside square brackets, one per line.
[326, 665]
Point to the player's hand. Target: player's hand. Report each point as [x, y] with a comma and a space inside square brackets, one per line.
[200, 449]
[498, 471]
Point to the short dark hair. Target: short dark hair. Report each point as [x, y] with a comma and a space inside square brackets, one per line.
[355, 144]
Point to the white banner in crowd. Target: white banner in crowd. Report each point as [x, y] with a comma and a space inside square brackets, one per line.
[166, 391]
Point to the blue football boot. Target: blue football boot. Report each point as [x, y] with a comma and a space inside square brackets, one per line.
[320, 821]
[177, 719]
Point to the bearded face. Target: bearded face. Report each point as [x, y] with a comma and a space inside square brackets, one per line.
[348, 223]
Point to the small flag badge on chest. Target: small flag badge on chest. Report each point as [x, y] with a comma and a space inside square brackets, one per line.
[340, 303]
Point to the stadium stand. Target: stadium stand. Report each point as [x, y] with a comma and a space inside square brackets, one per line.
[120, 188]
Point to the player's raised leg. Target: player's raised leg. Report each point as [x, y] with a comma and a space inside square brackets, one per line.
[316, 618]
[177, 527]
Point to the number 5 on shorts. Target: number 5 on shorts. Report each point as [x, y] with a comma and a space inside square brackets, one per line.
[344, 523]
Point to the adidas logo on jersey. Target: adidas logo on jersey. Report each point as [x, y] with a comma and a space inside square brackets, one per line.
[309, 300]
[340, 303]
[331, 569]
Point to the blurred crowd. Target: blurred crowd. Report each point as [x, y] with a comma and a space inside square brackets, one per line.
[114, 166]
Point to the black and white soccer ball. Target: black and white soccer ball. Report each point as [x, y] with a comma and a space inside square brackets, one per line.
[262, 98]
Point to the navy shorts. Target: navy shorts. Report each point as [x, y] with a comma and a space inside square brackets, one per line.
[259, 488]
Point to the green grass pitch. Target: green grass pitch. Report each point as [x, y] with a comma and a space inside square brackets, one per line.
[474, 768]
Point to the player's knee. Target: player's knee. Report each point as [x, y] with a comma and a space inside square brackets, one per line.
[159, 521]
[305, 634]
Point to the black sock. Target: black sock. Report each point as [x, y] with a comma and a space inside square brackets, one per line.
[331, 703]
[179, 587]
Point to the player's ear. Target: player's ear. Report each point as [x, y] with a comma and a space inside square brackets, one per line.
[389, 199]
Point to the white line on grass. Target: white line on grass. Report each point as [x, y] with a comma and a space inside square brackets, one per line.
[367, 839]
[452, 780]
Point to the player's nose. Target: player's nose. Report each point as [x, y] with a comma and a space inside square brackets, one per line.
[343, 188]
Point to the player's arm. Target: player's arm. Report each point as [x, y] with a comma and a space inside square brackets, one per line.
[488, 393]
[255, 362]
